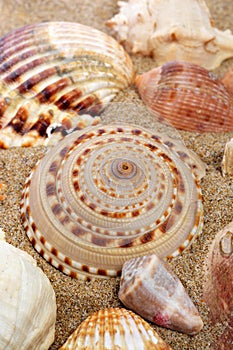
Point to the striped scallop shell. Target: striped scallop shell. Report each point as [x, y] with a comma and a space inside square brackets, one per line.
[110, 193]
[187, 97]
[115, 329]
[53, 71]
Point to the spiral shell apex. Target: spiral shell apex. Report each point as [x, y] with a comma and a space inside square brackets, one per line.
[112, 192]
[115, 329]
[52, 72]
[187, 96]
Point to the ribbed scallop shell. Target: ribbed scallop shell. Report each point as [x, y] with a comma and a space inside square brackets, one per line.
[109, 193]
[27, 302]
[187, 97]
[53, 71]
[114, 329]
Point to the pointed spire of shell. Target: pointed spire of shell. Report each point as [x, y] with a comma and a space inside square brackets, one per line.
[151, 289]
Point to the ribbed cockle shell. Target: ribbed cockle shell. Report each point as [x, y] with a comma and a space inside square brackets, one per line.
[115, 329]
[151, 289]
[109, 193]
[168, 30]
[50, 73]
[187, 97]
[27, 302]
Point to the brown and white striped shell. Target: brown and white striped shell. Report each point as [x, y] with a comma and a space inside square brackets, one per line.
[187, 96]
[109, 193]
[52, 72]
[115, 329]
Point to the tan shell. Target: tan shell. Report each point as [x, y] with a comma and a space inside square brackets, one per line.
[218, 284]
[50, 73]
[187, 96]
[109, 193]
[152, 290]
[227, 161]
[168, 30]
[27, 302]
[114, 329]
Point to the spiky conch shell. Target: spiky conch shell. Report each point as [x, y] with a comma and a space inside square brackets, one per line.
[167, 31]
[50, 73]
[114, 329]
[27, 302]
[109, 193]
[187, 96]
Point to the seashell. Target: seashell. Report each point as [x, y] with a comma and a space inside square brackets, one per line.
[52, 72]
[110, 193]
[218, 284]
[167, 31]
[114, 328]
[151, 289]
[187, 97]
[27, 302]
[227, 161]
[227, 80]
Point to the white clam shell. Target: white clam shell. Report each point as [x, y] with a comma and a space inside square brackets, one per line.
[169, 30]
[27, 302]
[109, 193]
[115, 329]
[52, 72]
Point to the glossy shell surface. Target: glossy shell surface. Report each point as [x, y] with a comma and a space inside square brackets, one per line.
[115, 329]
[151, 289]
[167, 31]
[109, 193]
[52, 72]
[27, 301]
[187, 96]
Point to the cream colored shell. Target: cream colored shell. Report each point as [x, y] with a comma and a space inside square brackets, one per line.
[27, 302]
[52, 73]
[109, 193]
[115, 329]
[169, 30]
[227, 161]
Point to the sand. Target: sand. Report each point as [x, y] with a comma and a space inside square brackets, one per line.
[76, 299]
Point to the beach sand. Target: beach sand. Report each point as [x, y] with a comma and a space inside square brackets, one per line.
[77, 299]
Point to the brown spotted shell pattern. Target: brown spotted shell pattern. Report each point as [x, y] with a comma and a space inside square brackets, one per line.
[110, 193]
[52, 72]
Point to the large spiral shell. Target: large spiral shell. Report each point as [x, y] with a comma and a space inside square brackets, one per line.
[110, 193]
[53, 71]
